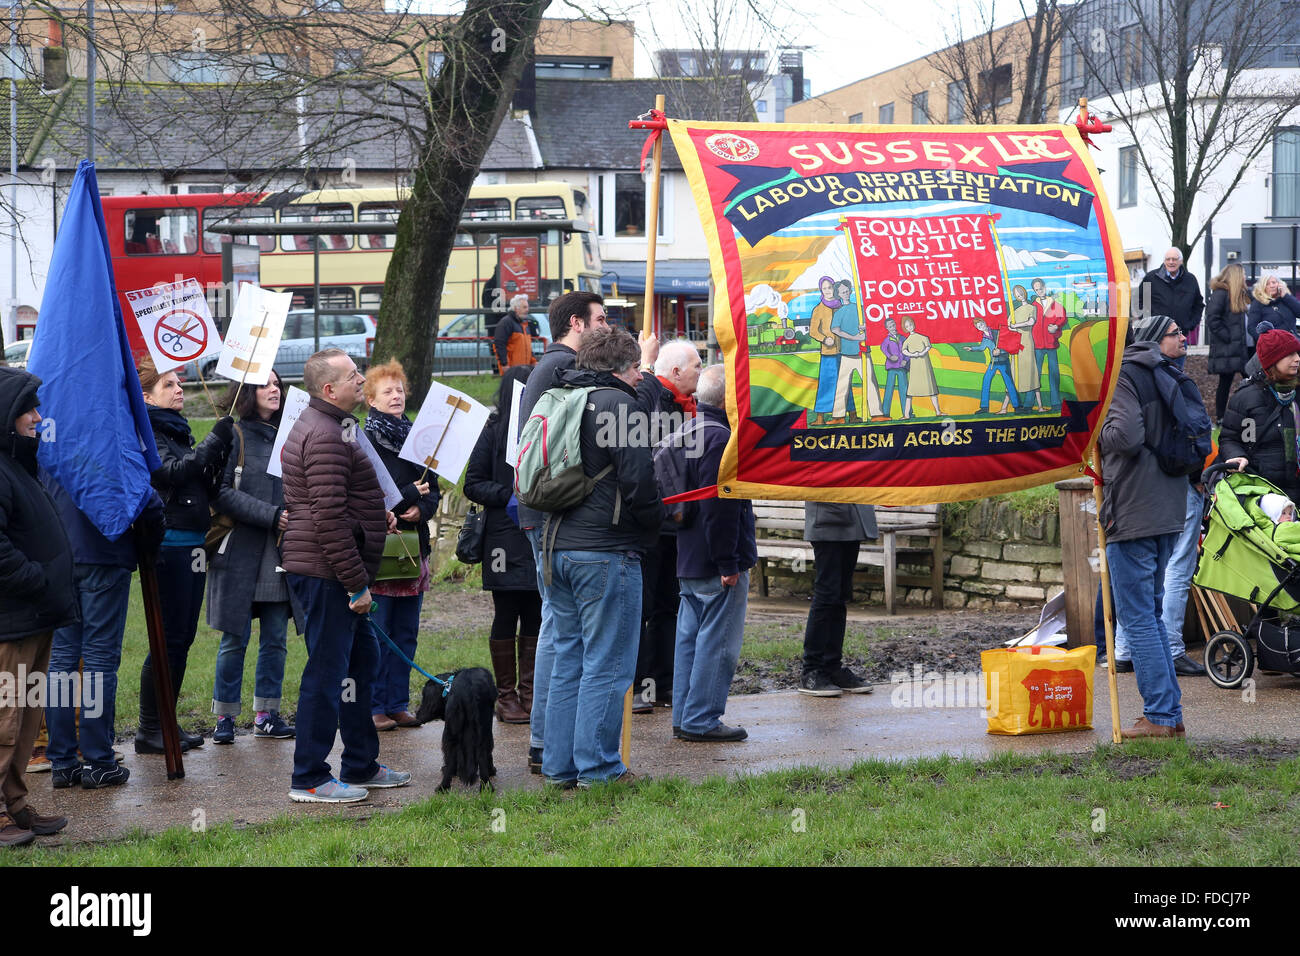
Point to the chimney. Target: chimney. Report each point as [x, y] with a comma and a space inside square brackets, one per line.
[54, 58]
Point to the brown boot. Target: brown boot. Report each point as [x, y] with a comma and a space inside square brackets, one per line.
[527, 661]
[503, 665]
[11, 834]
[1144, 728]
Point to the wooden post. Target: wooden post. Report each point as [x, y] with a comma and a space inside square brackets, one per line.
[1078, 538]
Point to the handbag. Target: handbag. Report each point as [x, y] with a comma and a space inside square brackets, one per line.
[401, 560]
[1035, 690]
[222, 524]
[469, 543]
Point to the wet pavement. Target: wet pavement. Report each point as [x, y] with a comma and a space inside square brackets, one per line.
[248, 782]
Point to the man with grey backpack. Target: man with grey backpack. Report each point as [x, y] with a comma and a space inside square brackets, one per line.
[592, 478]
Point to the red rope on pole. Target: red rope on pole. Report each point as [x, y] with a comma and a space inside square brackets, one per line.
[655, 121]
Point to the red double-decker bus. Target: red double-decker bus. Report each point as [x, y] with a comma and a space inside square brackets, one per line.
[156, 239]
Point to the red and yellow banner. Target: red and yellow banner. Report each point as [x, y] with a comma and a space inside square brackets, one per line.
[908, 314]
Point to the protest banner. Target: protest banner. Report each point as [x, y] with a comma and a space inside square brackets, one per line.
[253, 338]
[175, 323]
[444, 432]
[908, 315]
[294, 401]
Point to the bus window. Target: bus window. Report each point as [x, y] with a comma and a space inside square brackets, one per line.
[331, 297]
[339, 212]
[161, 232]
[371, 297]
[580, 209]
[212, 242]
[378, 212]
[590, 258]
[539, 207]
[486, 209]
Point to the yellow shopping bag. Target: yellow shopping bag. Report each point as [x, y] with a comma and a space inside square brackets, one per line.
[1037, 690]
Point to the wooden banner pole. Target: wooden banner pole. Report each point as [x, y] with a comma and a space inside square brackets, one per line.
[164, 693]
[1107, 607]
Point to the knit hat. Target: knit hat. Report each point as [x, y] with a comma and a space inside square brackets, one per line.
[1275, 345]
[1273, 506]
[1150, 328]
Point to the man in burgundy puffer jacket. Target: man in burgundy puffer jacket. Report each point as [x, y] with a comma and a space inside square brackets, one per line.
[331, 551]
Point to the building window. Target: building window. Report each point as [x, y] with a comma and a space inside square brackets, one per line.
[576, 67]
[760, 106]
[437, 59]
[995, 86]
[1128, 176]
[887, 113]
[1286, 173]
[921, 107]
[622, 206]
[956, 102]
[348, 59]
[855, 118]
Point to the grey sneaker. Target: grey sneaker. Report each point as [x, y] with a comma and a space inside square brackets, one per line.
[849, 682]
[384, 778]
[818, 684]
[331, 791]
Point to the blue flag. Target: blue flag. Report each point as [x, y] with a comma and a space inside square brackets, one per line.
[96, 440]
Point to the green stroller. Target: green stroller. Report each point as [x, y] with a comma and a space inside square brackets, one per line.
[1244, 554]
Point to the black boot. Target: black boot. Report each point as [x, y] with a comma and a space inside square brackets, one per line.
[148, 739]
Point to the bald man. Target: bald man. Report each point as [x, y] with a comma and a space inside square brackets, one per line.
[1173, 291]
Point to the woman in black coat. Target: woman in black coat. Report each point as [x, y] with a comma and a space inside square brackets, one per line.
[1259, 426]
[185, 483]
[398, 602]
[1274, 304]
[244, 580]
[508, 568]
[1225, 326]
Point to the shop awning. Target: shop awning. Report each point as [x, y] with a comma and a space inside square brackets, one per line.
[682, 276]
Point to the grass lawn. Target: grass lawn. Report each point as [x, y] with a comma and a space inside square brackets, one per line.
[1151, 804]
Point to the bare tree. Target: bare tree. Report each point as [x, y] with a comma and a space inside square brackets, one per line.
[1003, 71]
[1195, 84]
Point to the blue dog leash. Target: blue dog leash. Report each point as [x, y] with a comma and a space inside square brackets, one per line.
[444, 684]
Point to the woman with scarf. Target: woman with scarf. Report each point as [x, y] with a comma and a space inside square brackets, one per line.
[185, 482]
[1272, 307]
[397, 602]
[246, 580]
[1262, 420]
[517, 605]
[819, 330]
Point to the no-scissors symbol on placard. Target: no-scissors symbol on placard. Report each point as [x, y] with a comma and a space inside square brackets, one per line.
[181, 334]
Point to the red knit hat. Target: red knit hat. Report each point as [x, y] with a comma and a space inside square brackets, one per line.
[1275, 345]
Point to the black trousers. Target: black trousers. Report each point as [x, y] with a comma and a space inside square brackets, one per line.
[180, 596]
[522, 608]
[823, 639]
[1221, 395]
[660, 596]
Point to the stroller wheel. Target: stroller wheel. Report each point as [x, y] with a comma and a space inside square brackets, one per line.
[1229, 659]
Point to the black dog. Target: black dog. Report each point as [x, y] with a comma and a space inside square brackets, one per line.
[467, 729]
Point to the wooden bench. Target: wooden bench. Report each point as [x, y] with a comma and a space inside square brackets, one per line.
[911, 521]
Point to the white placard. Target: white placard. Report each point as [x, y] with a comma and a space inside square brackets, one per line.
[175, 323]
[512, 436]
[445, 432]
[392, 497]
[293, 402]
[254, 335]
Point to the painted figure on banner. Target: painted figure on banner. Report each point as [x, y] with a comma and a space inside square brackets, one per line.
[999, 344]
[895, 371]
[819, 330]
[920, 371]
[1049, 325]
[1024, 368]
[847, 328]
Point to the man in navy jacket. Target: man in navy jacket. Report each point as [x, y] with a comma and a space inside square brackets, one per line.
[714, 554]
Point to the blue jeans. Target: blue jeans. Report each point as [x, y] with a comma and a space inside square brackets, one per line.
[595, 598]
[999, 366]
[895, 378]
[1137, 575]
[103, 592]
[1178, 576]
[710, 627]
[827, 374]
[399, 617]
[228, 686]
[1053, 374]
[334, 697]
[545, 659]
